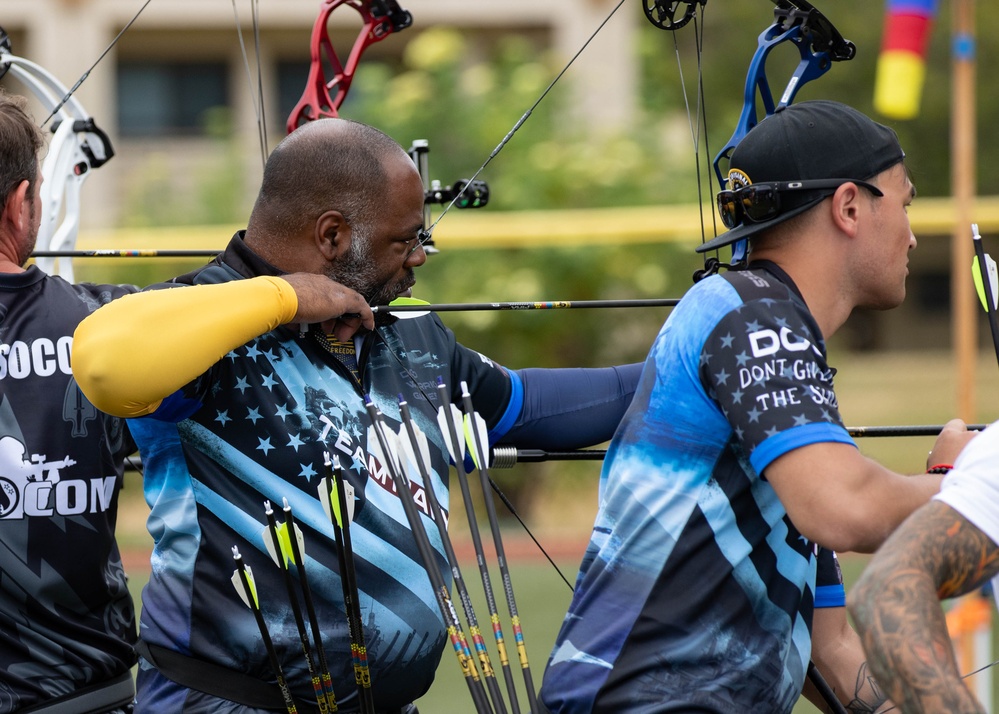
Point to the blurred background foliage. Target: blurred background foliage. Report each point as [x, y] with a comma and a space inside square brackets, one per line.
[464, 96]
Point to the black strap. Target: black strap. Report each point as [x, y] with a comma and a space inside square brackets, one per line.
[226, 683]
[95, 699]
[217, 680]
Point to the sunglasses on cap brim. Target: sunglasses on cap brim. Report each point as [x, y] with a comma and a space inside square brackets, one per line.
[760, 202]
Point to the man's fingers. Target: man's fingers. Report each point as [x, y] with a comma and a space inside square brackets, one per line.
[344, 328]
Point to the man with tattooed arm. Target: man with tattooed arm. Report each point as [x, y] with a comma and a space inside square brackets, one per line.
[945, 549]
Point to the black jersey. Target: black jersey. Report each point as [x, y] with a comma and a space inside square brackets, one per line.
[66, 617]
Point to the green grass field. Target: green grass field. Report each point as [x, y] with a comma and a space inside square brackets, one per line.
[873, 390]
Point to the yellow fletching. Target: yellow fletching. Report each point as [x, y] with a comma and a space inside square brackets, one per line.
[335, 503]
[284, 540]
[976, 274]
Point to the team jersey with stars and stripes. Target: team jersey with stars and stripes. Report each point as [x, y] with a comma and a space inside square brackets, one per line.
[66, 616]
[255, 428]
[696, 592]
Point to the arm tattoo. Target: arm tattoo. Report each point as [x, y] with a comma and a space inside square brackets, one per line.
[868, 695]
[935, 554]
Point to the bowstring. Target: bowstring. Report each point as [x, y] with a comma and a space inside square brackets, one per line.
[520, 122]
[83, 77]
[699, 122]
[256, 94]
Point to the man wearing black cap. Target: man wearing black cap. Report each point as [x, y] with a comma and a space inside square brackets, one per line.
[731, 480]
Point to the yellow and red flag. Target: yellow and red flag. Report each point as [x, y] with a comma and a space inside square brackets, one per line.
[901, 70]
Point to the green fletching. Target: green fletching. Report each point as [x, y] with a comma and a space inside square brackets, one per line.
[253, 586]
[993, 273]
[284, 538]
[245, 593]
[470, 440]
[408, 301]
[335, 503]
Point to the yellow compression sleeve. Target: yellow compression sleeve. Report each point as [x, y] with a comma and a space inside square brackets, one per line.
[134, 352]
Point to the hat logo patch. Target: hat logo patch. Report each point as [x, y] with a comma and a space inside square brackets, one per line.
[737, 178]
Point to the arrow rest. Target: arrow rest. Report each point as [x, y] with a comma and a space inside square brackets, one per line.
[663, 13]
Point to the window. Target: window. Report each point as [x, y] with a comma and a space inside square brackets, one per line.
[163, 98]
[291, 77]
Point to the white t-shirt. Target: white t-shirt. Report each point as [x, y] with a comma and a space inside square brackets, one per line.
[972, 486]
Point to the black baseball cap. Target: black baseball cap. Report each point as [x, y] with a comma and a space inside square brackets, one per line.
[819, 139]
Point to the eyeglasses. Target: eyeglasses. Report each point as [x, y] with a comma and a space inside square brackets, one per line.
[760, 202]
[423, 238]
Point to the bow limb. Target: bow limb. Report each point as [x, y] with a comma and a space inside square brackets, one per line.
[819, 44]
[380, 19]
[77, 145]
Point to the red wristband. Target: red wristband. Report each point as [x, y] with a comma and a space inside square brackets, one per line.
[939, 469]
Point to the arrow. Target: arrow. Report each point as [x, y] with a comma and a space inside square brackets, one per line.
[275, 538]
[337, 497]
[417, 450]
[400, 306]
[242, 580]
[475, 429]
[986, 285]
[425, 550]
[448, 417]
[293, 544]
[505, 457]
[125, 253]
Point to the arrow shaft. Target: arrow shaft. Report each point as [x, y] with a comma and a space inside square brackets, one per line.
[548, 305]
[459, 582]
[455, 633]
[125, 253]
[509, 456]
[511, 602]
[351, 595]
[310, 609]
[323, 698]
[480, 556]
[265, 635]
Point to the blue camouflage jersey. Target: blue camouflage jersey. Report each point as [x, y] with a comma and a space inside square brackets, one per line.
[255, 428]
[66, 616]
[696, 591]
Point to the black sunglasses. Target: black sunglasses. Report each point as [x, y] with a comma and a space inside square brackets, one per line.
[760, 202]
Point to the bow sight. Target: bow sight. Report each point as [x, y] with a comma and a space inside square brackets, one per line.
[463, 193]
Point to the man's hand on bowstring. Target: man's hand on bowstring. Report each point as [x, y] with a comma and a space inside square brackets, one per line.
[340, 310]
[952, 439]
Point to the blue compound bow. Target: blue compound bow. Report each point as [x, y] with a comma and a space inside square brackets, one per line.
[819, 44]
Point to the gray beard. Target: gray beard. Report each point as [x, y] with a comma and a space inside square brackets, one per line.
[357, 272]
